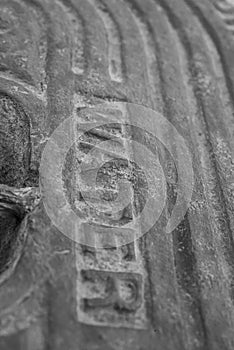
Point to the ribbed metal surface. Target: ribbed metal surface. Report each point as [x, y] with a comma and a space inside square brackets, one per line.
[174, 56]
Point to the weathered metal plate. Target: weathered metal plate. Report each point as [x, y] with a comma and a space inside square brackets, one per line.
[162, 291]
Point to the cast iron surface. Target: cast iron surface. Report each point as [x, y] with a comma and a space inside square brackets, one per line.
[177, 290]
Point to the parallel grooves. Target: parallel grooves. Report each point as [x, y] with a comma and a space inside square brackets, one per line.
[222, 6]
[149, 43]
[153, 61]
[187, 275]
[130, 66]
[186, 61]
[145, 31]
[226, 12]
[115, 54]
[50, 43]
[79, 57]
[219, 172]
[21, 76]
[227, 236]
[53, 59]
[185, 257]
[44, 47]
[217, 43]
[178, 26]
[223, 87]
[185, 261]
[148, 39]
